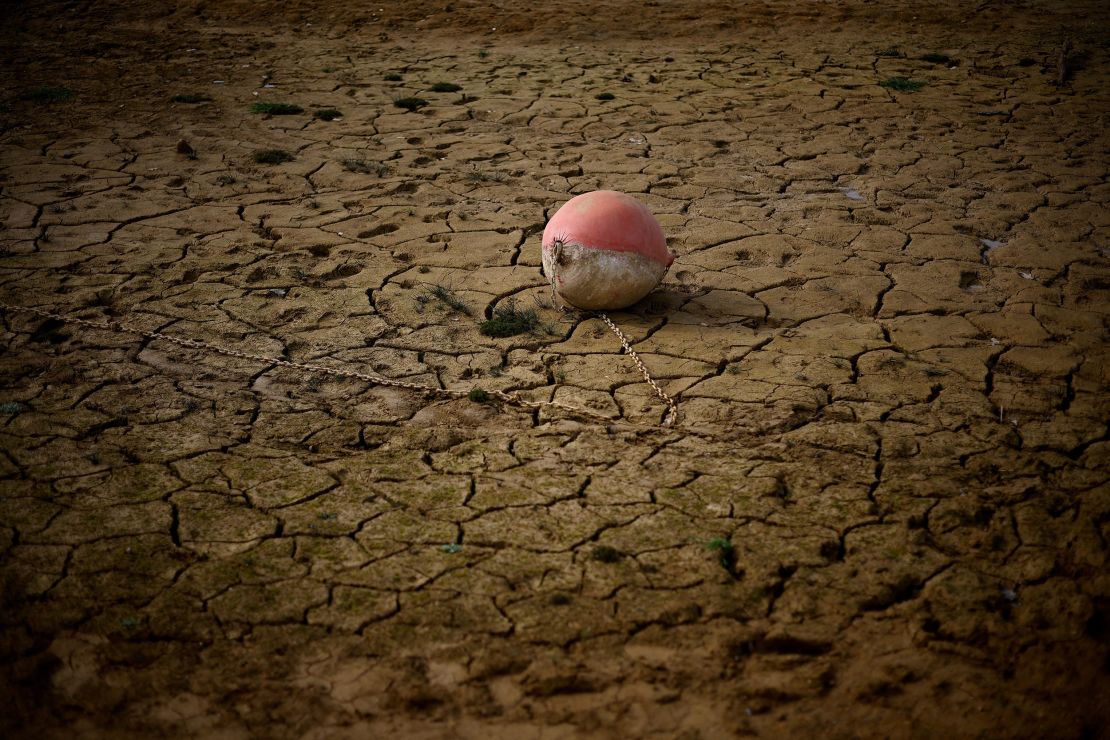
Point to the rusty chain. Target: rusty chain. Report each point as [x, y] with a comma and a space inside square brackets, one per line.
[672, 412]
[514, 399]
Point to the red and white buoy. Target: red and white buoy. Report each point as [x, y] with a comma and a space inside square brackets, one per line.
[604, 250]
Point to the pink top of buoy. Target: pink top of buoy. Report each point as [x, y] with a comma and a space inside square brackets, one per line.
[606, 219]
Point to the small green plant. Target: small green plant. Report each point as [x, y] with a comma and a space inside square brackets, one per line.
[272, 156]
[392, 77]
[451, 548]
[937, 58]
[410, 104]
[726, 552]
[477, 395]
[890, 52]
[606, 554]
[449, 299]
[605, 96]
[327, 114]
[190, 98]
[482, 53]
[902, 84]
[362, 167]
[446, 87]
[276, 109]
[508, 321]
[11, 407]
[47, 94]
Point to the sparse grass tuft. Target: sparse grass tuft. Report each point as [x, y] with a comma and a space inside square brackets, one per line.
[276, 109]
[508, 321]
[902, 84]
[190, 98]
[937, 58]
[410, 104]
[477, 395]
[272, 156]
[446, 87]
[392, 77]
[327, 114]
[605, 96]
[449, 299]
[47, 94]
[492, 176]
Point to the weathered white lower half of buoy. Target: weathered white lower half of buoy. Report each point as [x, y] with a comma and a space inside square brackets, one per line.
[600, 279]
[604, 251]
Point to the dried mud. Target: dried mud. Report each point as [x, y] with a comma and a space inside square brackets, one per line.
[884, 511]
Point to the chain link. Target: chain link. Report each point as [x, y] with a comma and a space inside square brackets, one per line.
[672, 412]
[510, 398]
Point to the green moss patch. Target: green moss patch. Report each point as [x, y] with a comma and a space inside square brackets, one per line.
[410, 104]
[276, 109]
[903, 84]
[509, 321]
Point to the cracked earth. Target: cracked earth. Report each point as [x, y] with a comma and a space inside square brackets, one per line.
[883, 512]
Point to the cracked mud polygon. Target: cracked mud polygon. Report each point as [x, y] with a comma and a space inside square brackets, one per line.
[884, 510]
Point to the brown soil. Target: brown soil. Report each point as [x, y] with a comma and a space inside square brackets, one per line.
[883, 512]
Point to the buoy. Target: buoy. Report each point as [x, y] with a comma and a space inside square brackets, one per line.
[604, 251]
